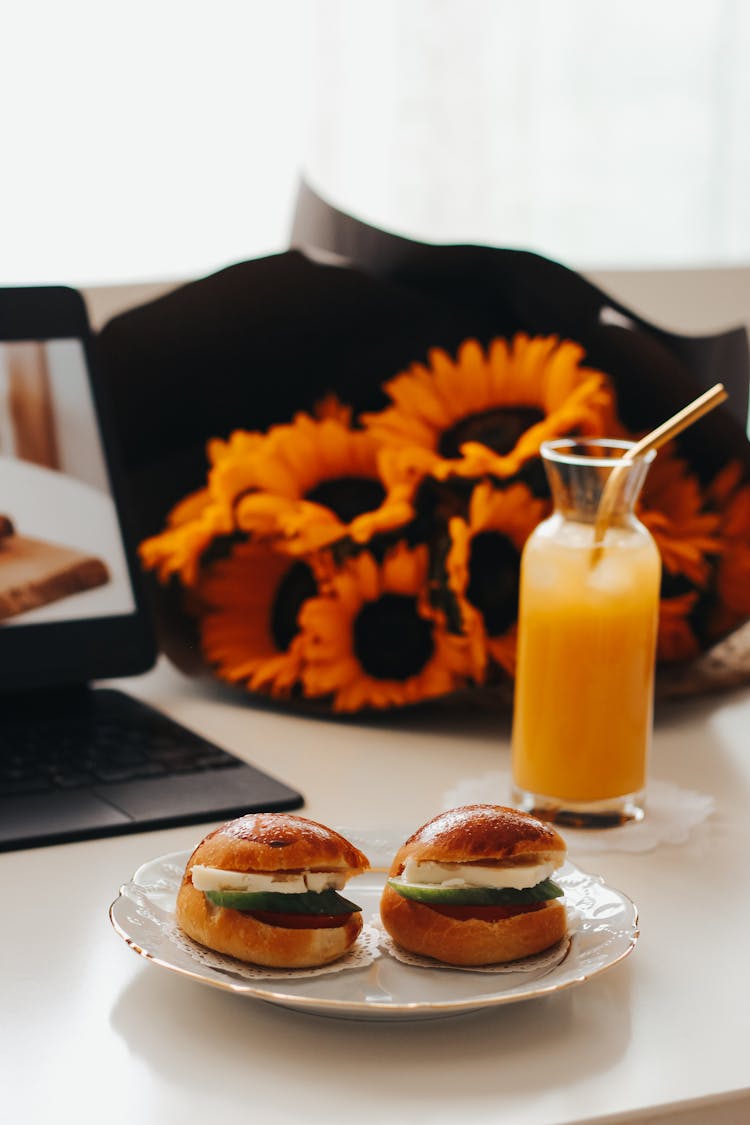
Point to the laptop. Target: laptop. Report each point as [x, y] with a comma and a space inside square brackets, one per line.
[80, 761]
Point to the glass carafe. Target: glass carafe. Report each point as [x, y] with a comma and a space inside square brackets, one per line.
[587, 630]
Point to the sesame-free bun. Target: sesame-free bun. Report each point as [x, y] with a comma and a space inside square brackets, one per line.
[489, 836]
[267, 843]
[421, 929]
[242, 936]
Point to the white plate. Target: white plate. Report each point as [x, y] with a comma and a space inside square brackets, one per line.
[605, 932]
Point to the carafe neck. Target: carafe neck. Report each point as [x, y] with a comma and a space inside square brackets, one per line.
[578, 471]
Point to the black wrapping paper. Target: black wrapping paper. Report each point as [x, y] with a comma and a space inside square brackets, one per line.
[349, 307]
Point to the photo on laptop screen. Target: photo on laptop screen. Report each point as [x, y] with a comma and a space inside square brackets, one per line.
[61, 552]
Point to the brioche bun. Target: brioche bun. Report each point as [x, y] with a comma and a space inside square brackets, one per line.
[486, 836]
[268, 843]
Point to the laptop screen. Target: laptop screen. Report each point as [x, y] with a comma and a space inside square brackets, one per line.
[61, 551]
[70, 607]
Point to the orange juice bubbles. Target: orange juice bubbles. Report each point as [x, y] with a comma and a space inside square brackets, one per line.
[587, 639]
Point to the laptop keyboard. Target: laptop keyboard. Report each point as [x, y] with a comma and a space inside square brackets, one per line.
[75, 753]
[90, 763]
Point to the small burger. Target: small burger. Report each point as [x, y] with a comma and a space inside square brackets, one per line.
[265, 888]
[473, 887]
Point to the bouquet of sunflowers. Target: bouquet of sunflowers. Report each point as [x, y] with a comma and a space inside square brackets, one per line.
[371, 560]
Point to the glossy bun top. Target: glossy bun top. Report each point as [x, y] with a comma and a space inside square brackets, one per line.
[277, 842]
[488, 834]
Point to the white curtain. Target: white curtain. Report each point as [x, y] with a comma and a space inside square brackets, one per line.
[164, 139]
[609, 133]
[148, 140]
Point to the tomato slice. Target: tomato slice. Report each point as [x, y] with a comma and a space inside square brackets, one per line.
[484, 913]
[299, 921]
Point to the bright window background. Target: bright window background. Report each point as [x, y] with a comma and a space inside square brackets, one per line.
[150, 139]
[165, 139]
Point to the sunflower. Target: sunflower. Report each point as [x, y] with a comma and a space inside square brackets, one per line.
[372, 640]
[483, 566]
[488, 413]
[249, 626]
[316, 482]
[205, 515]
[191, 507]
[676, 639]
[192, 526]
[677, 513]
[733, 572]
[331, 406]
[232, 468]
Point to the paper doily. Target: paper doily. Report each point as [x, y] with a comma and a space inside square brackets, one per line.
[671, 814]
[538, 963]
[364, 951]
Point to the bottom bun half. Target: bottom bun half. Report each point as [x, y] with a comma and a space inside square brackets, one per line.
[241, 935]
[420, 929]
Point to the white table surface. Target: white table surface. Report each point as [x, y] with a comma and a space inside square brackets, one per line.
[92, 1032]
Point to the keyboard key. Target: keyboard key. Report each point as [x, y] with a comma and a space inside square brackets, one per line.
[22, 785]
[107, 774]
[74, 779]
[150, 769]
[76, 752]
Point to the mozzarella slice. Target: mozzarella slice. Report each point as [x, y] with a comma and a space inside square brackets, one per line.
[295, 883]
[473, 875]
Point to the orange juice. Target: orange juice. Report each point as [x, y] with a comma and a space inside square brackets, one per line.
[584, 682]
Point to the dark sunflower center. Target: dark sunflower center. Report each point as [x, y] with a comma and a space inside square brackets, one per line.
[499, 429]
[297, 585]
[391, 640]
[674, 585]
[348, 497]
[493, 580]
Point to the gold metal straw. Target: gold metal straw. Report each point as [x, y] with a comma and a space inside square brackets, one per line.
[658, 437]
